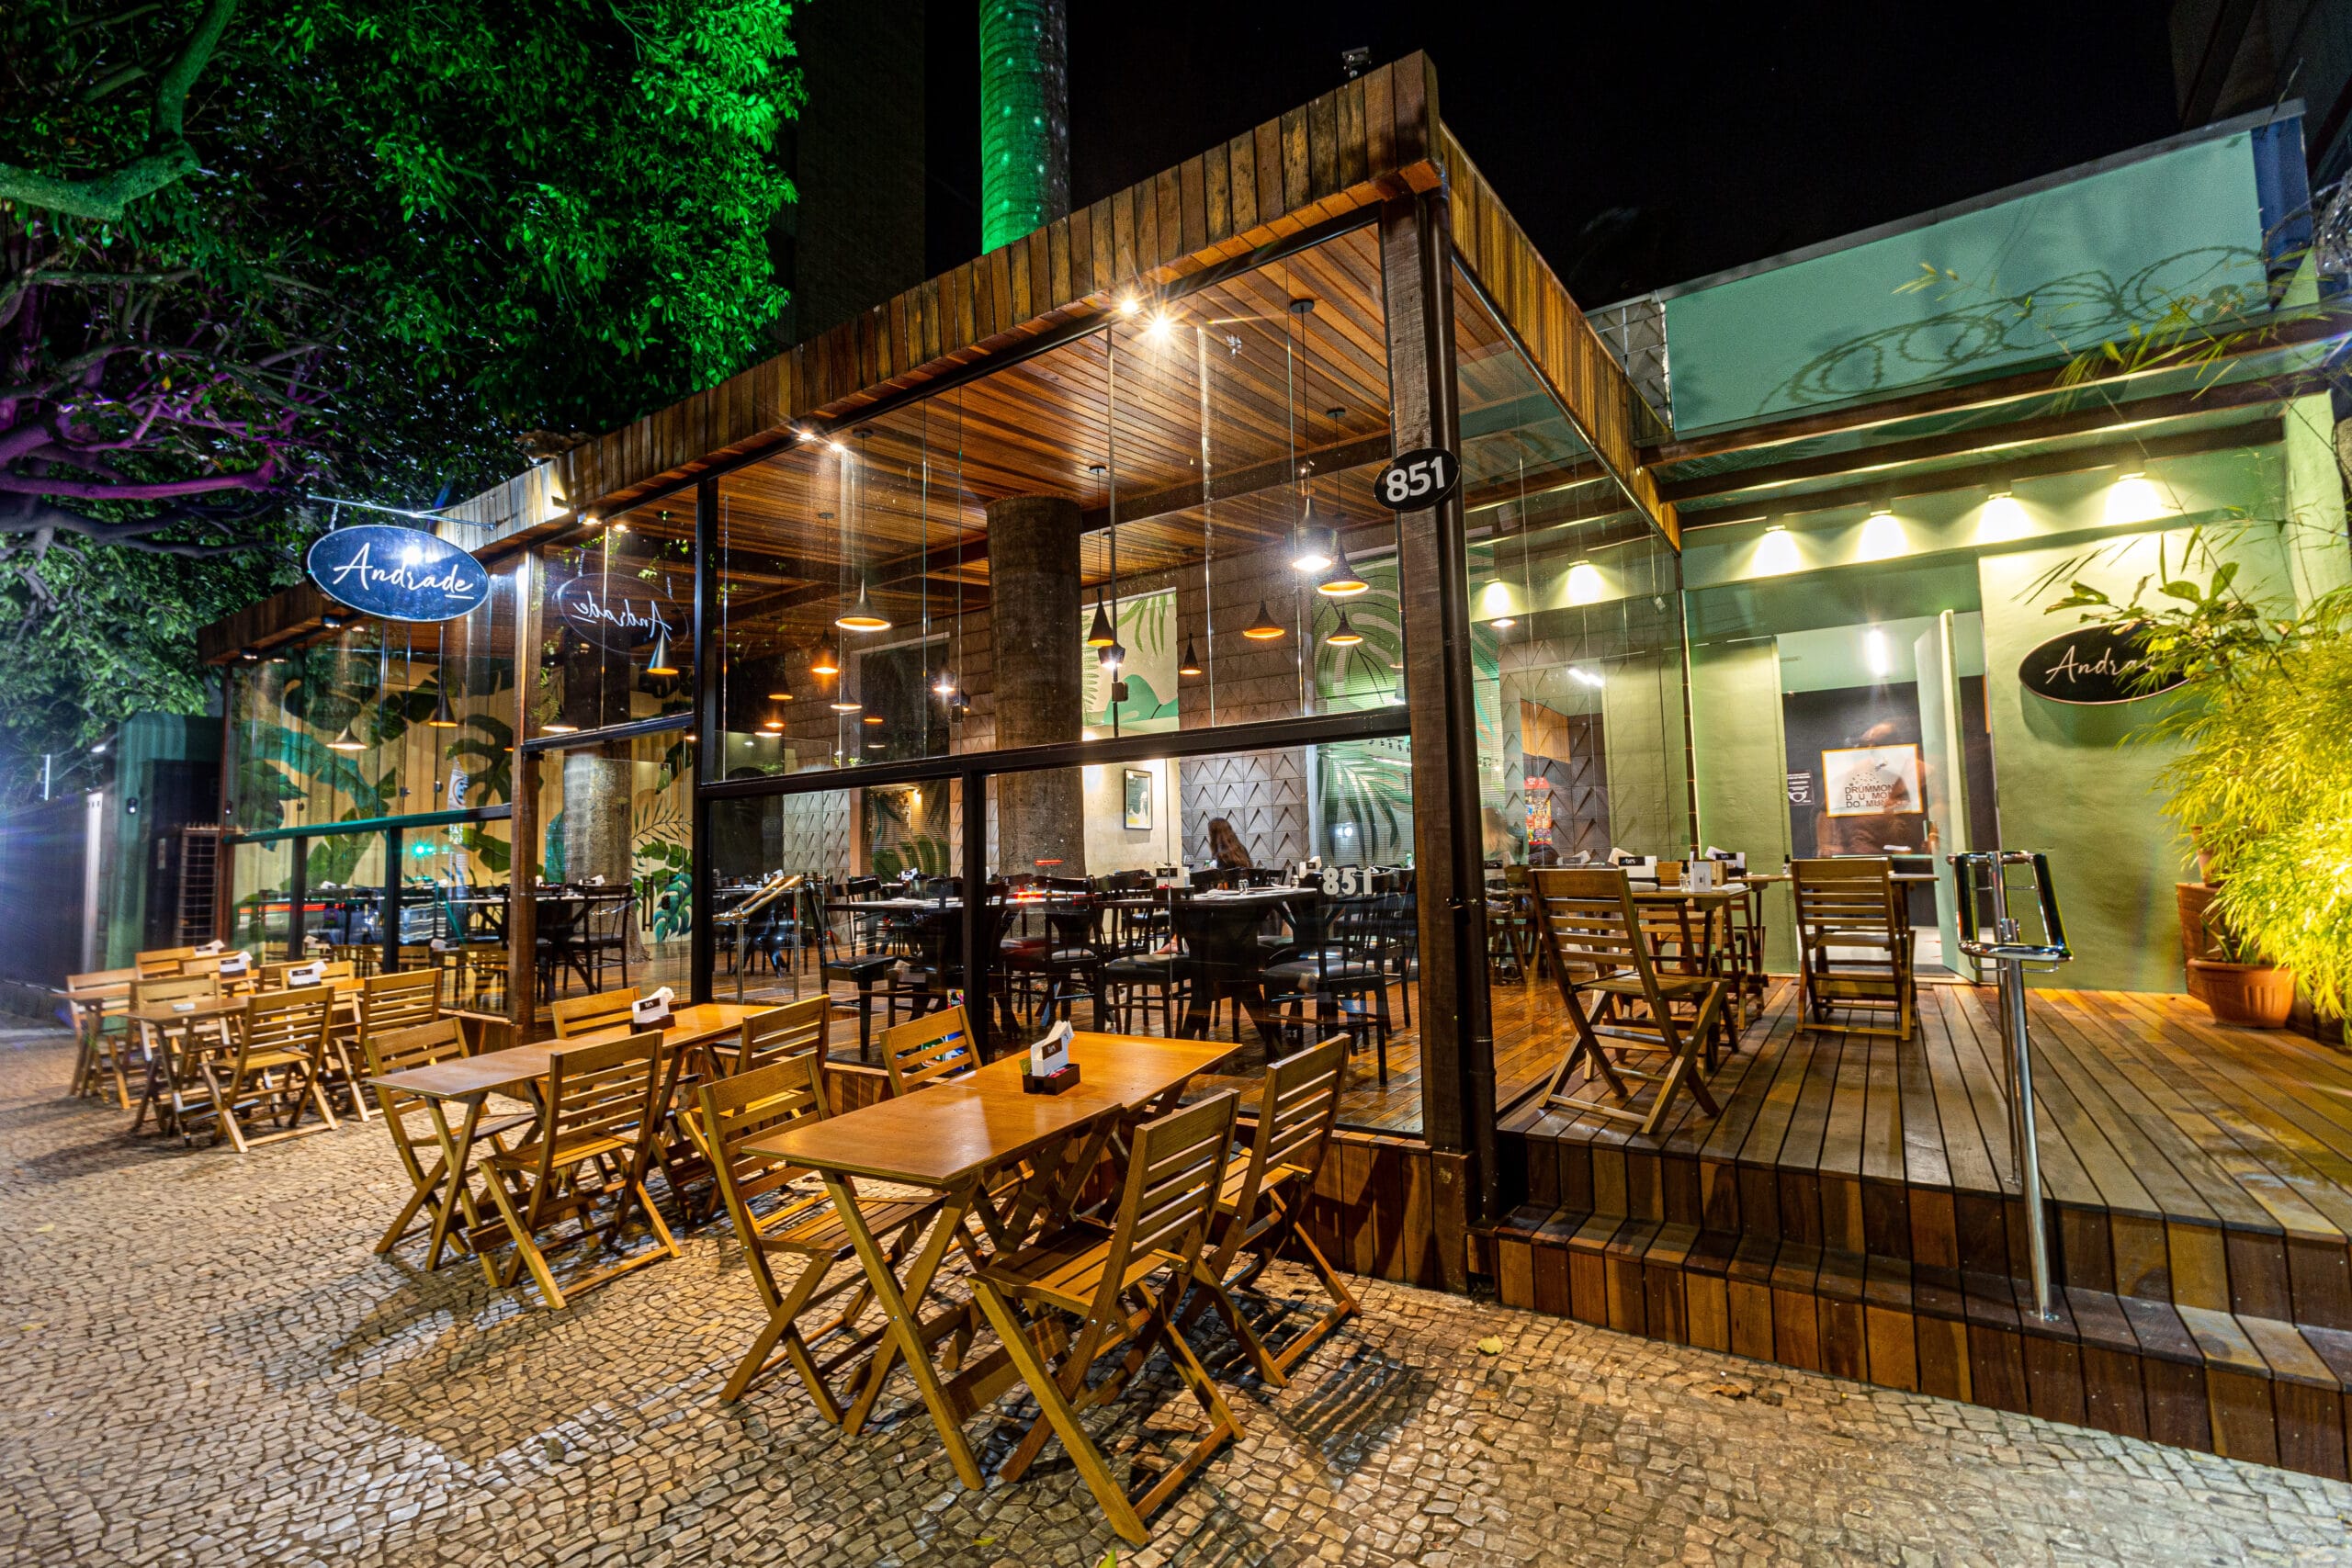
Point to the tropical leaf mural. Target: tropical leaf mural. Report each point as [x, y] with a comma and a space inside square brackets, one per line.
[1145, 625]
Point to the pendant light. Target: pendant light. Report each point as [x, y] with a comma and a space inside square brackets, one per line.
[1265, 628]
[842, 705]
[1343, 634]
[826, 663]
[1312, 544]
[1100, 635]
[442, 718]
[660, 664]
[1191, 664]
[1343, 582]
[1110, 658]
[349, 740]
[863, 616]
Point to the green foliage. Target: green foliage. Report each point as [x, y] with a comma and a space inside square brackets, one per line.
[408, 236]
[2262, 780]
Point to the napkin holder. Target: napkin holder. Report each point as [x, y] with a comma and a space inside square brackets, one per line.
[306, 975]
[236, 965]
[653, 1011]
[209, 948]
[1049, 1069]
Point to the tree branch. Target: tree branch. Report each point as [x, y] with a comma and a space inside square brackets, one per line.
[168, 157]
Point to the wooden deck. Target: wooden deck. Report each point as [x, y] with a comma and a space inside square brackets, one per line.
[1854, 1210]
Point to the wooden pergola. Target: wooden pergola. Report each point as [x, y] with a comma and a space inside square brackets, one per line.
[1372, 159]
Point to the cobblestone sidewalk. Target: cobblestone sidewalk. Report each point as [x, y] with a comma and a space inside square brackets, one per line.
[205, 1364]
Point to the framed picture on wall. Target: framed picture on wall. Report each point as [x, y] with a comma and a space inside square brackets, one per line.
[1139, 798]
[1871, 781]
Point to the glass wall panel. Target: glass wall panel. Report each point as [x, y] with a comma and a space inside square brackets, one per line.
[260, 882]
[1576, 645]
[614, 865]
[617, 620]
[372, 720]
[1160, 524]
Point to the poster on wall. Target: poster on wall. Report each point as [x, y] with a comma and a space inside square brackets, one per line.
[1138, 800]
[1871, 781]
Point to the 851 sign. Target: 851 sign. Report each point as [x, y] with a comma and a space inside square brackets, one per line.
[1414, 479]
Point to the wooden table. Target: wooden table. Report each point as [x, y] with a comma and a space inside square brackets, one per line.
[950, 1138]
[1222, 957]
[471, 1081]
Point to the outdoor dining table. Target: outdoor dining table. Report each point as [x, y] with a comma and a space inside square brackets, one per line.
[950, 1138]
[470, 1081]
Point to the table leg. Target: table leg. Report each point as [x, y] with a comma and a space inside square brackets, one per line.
[906, 1330]
[455, 1154]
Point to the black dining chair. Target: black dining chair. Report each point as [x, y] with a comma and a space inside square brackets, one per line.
[1334, 978]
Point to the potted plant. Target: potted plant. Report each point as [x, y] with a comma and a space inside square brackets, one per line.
[2239, 987]
[2260, 773]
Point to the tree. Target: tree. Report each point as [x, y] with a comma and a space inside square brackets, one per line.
[256, 252]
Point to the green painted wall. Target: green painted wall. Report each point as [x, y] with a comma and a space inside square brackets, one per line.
[2091, 256]
[2069, 780]
[1742, 769]
[142, 741]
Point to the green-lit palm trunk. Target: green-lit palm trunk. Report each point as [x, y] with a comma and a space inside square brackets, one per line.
[1024, 117]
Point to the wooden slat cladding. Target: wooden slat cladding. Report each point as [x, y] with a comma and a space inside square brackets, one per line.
[1347, 149]
[1567, 351]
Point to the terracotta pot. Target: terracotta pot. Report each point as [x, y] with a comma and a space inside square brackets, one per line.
[2252, 995]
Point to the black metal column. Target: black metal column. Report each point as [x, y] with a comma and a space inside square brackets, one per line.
[979, 931]
[710, 731]
[298, 893]
[395, 846]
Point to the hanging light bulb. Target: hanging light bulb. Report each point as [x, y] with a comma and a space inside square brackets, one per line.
[945, 684]
[660, 663]
[1265, 628]
[1099, 635]
[1191, 664]
[1311, 546]
[1109, 658]
[863, 616]
[774, 724]
[1343, 634]
[1343, 582]
[825, 663]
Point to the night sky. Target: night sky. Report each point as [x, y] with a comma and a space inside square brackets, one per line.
[1640, 145]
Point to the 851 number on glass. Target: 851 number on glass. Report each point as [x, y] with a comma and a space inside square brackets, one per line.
[1417, 479]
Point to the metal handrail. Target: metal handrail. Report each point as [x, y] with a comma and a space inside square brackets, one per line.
[2009, 955]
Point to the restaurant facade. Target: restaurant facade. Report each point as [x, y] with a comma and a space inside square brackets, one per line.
[1107, 553]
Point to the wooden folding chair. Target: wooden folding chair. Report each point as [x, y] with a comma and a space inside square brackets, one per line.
[773, 1220]
[797, 1029]
[1854, 906]
[925, 1050]
[173, 1054]
[273, 1066]
[102, 1033]
[160, 963]
[585, 1015]
[1587, 920]
[589, 1143]
[1263, 1198]
[1102, 1276]
[421, 1045]
[387, 1002]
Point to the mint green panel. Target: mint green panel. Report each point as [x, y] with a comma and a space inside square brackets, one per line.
[2090, 256]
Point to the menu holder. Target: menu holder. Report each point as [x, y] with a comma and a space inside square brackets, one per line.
[306, 975]
[1049, 1069]
[236, 965]
[653, 1011]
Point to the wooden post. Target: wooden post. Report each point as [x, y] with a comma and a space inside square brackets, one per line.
[1457, 1027]
[523, 828]
[710, 744]
[298, 893]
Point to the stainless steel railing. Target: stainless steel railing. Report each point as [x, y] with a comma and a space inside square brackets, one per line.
[1986, 874]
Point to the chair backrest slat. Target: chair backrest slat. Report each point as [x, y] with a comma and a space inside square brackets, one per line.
[795, 1029]
[731, 1112]
[287, 1020]
[924, 1050]
[1174, 1175]
[1850, 894]
[604, 1090]
[1586, 916]
[419, 1045]
[399, 1001]
[160, 963]
[146, 992]
[1295, 1111]
[585, 1015]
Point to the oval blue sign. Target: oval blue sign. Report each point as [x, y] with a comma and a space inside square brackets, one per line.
[398, 574]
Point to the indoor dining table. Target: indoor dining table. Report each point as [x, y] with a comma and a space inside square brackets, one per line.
[470, 1081]
[952, 1138]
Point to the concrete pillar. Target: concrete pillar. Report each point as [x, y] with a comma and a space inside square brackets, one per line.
[1034, 599]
